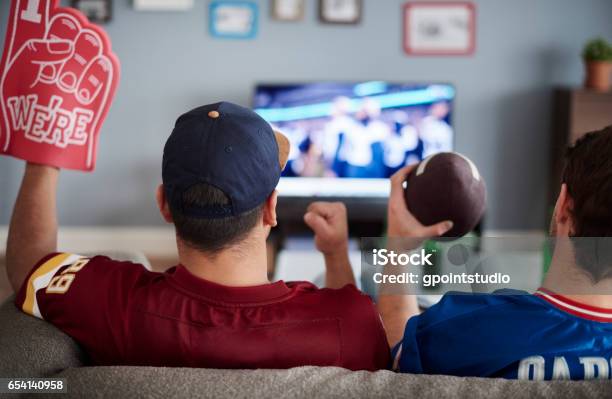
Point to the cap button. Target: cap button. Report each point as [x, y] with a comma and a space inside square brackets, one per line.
[213, 114]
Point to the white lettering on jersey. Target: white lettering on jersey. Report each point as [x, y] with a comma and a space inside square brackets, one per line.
[44, 278]
[591, 364]
[560, 369]
[531, 366]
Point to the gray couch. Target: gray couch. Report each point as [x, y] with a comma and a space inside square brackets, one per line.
[33, 348]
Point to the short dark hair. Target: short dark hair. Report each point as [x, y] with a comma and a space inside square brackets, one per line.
[211, 235]
[588, 176]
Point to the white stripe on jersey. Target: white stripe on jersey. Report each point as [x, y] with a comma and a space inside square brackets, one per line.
[566, 305]
[43, 281]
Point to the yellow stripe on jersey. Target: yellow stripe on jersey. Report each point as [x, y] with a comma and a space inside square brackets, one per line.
[29, 305]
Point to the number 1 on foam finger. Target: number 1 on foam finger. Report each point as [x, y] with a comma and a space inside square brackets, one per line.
[31, 13]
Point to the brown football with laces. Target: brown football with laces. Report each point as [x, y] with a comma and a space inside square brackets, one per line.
[447, 186]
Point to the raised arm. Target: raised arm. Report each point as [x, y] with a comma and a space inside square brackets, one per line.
[33, 229]
[395, 309]
[329, 223]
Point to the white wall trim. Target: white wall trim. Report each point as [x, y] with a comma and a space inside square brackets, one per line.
[535, 234]
[153, 241]
[160, 241]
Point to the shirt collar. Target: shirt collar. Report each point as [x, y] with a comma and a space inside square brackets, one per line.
[271, 292]
[576, 308]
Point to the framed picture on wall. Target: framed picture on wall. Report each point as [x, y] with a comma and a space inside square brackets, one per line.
[288, 10]
[439, 28]
[97, 11]
[340, 11]
[233, 19]
[163, 5]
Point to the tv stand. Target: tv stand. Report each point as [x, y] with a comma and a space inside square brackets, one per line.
[366, 216]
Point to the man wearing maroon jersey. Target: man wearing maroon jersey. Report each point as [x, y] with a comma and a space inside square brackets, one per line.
[216, 308]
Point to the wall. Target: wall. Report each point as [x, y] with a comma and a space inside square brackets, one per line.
[171, 64]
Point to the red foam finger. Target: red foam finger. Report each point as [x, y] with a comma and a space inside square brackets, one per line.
[48, 51]
[27, 20]
[63, 26]
[93, 80]
[87, 47]
[47, 73]
[33, 83]
[60, 27]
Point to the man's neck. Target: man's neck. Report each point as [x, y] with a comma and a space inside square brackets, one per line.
[566, 278]
[240, 266]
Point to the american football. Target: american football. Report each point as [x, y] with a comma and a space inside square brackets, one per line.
[447, 186]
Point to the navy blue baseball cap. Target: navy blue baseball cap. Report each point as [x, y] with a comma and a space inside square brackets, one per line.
[226, 146]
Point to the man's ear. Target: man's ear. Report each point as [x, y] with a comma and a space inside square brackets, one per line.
[162, 204]
[269, 210]
[564, 212]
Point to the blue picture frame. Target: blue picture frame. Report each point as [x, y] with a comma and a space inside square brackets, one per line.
[213, 18]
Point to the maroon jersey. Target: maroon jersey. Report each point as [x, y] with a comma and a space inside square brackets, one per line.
[123, 314]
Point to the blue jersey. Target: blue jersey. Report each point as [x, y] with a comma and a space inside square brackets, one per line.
[509, 334]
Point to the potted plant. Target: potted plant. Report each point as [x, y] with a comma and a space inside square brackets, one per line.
[597, 55]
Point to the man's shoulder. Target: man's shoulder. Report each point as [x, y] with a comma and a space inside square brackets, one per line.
[346, 302]
[457, 304]
[68, 269]
[65, 282]
[484, 300]
[345, 296]
[473, 326]
[349, 291]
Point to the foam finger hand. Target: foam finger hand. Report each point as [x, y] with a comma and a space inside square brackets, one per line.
[88, 48]
[41, 51]
[61, 27]
[93, 80]
[27, 21]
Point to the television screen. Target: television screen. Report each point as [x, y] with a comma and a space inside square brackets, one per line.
[348, 138]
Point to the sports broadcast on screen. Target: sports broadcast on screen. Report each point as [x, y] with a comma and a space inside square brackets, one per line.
[358, 130]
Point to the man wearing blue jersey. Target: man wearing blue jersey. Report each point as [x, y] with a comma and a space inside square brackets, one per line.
[542, 336]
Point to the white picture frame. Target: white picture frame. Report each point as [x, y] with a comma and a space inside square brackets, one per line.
[163, 5]
[288, 10]
[340, 11]
[439, 28]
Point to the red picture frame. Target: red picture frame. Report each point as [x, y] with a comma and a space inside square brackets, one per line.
[409, 7]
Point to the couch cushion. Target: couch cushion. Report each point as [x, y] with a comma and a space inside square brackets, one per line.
[33, 348]
[306, 382]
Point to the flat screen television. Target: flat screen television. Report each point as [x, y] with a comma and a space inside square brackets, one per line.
[348, 138]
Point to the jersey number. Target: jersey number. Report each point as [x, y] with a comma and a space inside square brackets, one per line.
[61, 283]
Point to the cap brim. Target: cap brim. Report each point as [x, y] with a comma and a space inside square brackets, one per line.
[283, 148]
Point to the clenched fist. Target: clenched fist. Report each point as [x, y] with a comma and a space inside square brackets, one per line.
[329, 224]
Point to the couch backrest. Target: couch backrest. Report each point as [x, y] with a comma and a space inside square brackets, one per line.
[307, 383]
[30, 347]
